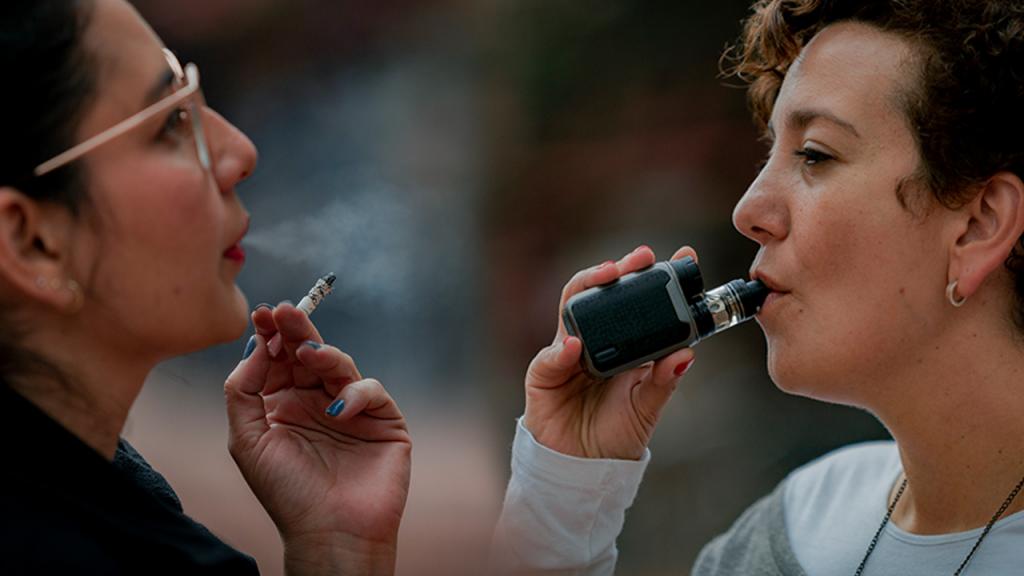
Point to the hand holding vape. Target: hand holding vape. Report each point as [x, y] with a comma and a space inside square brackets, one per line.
[653, 312]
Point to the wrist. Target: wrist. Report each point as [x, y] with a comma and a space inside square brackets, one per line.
[549, 439]
[324, 554]
[566, 443]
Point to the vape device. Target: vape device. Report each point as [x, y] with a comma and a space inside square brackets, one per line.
[653, 312]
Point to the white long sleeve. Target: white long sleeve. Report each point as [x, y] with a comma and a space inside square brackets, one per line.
[562, 514]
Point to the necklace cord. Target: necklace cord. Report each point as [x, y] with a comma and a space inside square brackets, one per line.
[988, 527]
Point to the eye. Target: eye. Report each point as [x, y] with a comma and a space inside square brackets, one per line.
[177, 124]
[811, 156]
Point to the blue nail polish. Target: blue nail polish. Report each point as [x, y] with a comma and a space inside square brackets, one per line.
[263, 305]
[336, 407]
[249, 347]
[313, 344]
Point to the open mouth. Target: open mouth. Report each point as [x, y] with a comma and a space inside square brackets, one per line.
[236, 253]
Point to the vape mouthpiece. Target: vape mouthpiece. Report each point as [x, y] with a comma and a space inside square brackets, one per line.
[728, 305]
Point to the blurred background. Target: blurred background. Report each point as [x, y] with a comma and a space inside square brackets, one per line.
[455, 162]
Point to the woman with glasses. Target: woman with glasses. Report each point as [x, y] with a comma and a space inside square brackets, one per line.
[119, 246]
[889, 217]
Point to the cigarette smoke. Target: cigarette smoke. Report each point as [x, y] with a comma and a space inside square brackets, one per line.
[367, 238]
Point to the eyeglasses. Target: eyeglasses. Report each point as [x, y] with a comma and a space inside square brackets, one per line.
[189, 99]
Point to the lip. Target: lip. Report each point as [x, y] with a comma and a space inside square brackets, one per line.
[757, 274]
[777, 291]
[235, 251]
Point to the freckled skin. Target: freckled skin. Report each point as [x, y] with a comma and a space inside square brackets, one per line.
[865, 278]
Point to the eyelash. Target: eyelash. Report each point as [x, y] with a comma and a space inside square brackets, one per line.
[812, 157]
[176, 123]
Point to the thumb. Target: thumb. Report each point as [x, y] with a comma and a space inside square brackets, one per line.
[556, 364]
[247, 416]
[654, 392]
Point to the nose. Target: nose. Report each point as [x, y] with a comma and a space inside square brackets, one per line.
[762, 214]
[234, 154]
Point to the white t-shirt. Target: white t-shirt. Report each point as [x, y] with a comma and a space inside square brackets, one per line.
[834, 505]
[562, 515]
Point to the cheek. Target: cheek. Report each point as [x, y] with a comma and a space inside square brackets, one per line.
[860, 301]
[161, 231]
[833, 248]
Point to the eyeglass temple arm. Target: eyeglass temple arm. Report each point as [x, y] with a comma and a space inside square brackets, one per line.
[125, 125]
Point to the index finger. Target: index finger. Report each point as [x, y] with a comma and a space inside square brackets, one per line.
[263, 320]
[638, 259]
[294, 327]
[684, 252]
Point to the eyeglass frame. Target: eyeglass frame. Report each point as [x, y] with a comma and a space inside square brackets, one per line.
[190, 75]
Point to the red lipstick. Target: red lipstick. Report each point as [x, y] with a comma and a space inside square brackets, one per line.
[236, 253]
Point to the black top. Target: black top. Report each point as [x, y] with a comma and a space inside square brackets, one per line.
[64, 509]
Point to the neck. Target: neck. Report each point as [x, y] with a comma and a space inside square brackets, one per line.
[959, 431]
[92, 389]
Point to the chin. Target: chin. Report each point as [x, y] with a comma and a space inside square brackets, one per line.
[813, 378]
[225, 321]
[236, 316]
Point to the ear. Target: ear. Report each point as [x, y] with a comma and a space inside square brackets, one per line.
[34, 250]
[993, 223]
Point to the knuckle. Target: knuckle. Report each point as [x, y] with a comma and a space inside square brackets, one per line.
[574, 283]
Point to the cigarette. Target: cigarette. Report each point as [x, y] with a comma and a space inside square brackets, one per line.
[308, 304]
[317, 294]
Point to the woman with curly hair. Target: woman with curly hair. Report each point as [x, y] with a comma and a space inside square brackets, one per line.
[890, 221]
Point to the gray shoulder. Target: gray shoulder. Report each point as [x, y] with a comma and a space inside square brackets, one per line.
[755, 545]
[760, 542]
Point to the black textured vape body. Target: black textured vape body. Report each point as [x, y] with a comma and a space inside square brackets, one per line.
[635, 319]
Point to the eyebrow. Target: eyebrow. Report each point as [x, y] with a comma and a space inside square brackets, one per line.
[801, 119]
[159, 87]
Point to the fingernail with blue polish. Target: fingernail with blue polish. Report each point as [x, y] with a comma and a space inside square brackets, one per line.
[263, 305]
[313, 344]
[249, 347]
[336, 407]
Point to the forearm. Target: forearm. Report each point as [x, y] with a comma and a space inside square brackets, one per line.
[562, 514]
[338, 554]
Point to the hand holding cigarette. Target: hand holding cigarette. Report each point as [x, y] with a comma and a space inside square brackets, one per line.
[326, 451]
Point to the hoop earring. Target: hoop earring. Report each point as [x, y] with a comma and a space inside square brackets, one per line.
[55, 284]
[77, 297]
[951, 295]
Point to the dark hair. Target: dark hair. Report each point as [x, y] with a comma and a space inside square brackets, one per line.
[967, 109]
[50, 81]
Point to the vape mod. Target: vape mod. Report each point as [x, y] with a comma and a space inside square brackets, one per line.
[653, 312]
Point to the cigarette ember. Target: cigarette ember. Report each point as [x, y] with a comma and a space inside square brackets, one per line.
[317, 293]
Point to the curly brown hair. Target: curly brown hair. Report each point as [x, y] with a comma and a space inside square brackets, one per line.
[967, 112]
